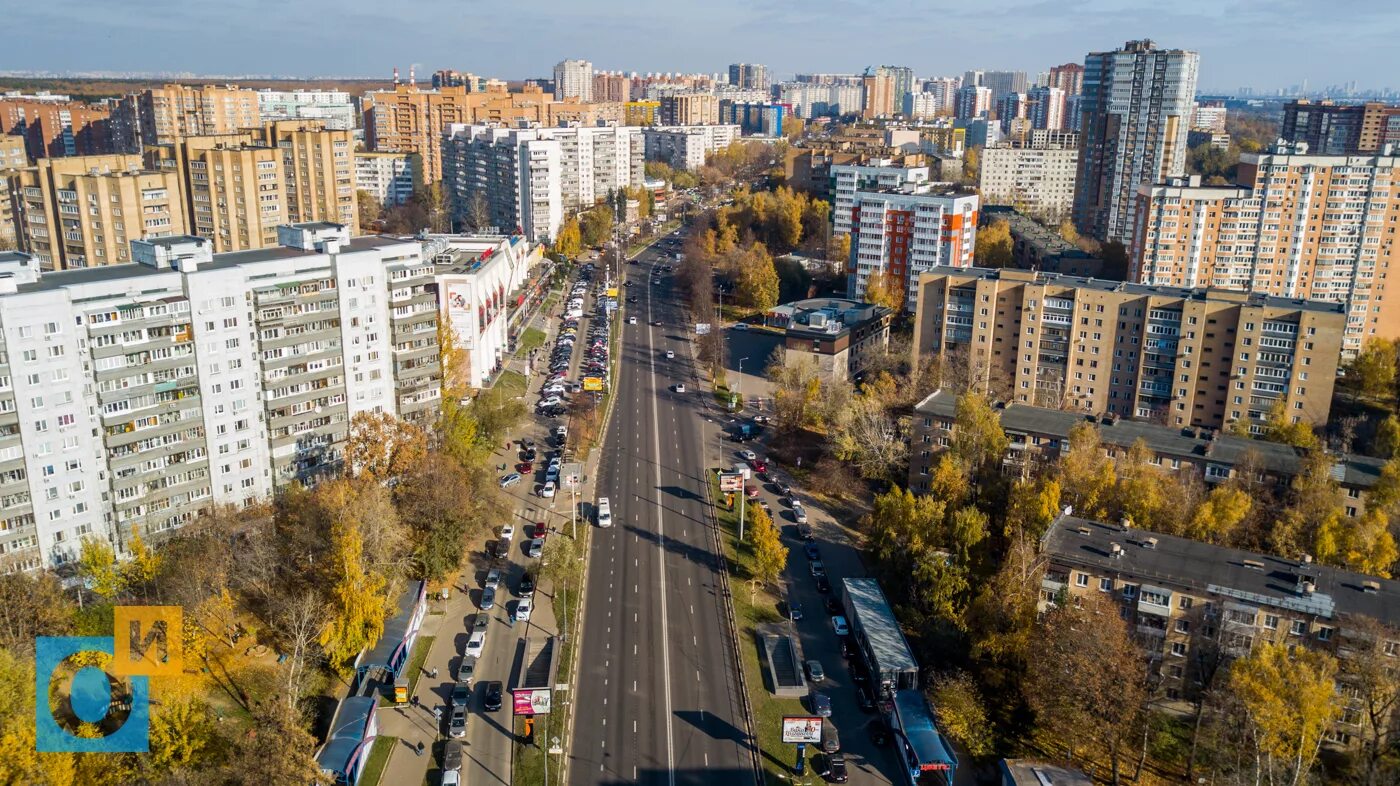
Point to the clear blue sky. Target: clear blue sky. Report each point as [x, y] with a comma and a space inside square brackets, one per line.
[1263, 43]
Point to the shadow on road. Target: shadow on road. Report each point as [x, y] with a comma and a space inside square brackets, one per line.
[684, 550]
[716, 727]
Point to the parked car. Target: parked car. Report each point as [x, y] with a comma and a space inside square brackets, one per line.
[813, 553]
[510, 480]
[670, 355]
[831, 741]
[748, 455]
[548, 489]
[476, 644]
[461, 694]
[820, 704]
[759, 465]
[493, 576]
[526, 588]
[817, 567]
[525, 468]
[488, 598]
[508, 531]
[457, 724]
[751, 491]
[832, 767]
[522, 610]
[838, 623]
[815, 672]
[536, 548]
[480, 623]
[823, 585]
[495, 692]
[466, 670]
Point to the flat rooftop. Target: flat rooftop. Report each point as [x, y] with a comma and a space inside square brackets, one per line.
[878, 623]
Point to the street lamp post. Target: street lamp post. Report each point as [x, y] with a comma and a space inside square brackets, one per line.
[739, 382]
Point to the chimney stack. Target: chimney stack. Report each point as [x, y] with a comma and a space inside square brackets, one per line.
[396, 76]
[412, 81]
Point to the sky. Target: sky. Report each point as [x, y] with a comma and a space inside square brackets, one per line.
[1260, 43]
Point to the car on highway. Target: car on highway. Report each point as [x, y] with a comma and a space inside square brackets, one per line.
[820, 704]
[510, 480]
[508, 532]
[798, 512]
[817, 567]
[627, 283]
[832, 767]
[631, 320]
[457, 724]
[741, 326]
[548, 489]
[522, 610]
[604, 512]
[838, 624]
[466, 670]
[812, 551]
[526, 588]
[815, 672]
[495, 694]
[748, 455]
[488, 599]
[784, 490]
[670, 355]
[680, 387]
[656, 323]
[791, 610]
[759, 465]
[536, 548]
[475, 645]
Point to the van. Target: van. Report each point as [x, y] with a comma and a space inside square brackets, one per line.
[604, 512]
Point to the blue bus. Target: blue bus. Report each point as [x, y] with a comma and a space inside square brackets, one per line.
[928, 758]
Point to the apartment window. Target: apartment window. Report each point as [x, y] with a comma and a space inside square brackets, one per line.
[1179, 649]
[1184, 603]
[1105, 585]
[1298, 628]
[1081, 579]
[1324, 633]
[1271, 621]
[31, 356]
[1183, 626]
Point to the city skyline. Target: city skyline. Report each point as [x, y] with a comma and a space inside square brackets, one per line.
[1241, 43]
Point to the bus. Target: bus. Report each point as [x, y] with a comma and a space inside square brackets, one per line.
[928, 759]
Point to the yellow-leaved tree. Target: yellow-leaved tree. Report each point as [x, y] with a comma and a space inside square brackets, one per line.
[358, 604]
[770, 555]
[1289, 703]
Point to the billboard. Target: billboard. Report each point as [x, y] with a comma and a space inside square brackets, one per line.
[612, 292]
[592, 383]
[702, 328]
[731, 481]
[802, 729]
[535, 701]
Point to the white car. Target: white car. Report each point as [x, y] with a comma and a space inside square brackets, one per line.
[507, 532]
[631, 320]
[552, 401]
[749, 455]
[670, 355]
[604, 512]
[548, 489]
[522, 610]
[741, 326]
[493, 578]
[475, 645]
[680, 387]
[839, 623]
[556, 389]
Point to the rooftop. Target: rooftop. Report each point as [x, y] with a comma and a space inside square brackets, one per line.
[1042, 278]
[1194, 444]
[878, 625]
[825, 316]
[1023, 772]
[1243, 576]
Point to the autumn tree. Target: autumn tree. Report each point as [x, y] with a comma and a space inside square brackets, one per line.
[596, 226]
[757, 279]
[1219, 518]
[367, 209]
[275, 750]
[358, 600]
[1387, 441]
[19, 761]
[839, 249]
[1002, 616]
[1086, 475]
[884, 288]
[98, 567]
[382, 447]
[1031, 507]
[445, 506]
[863, 432]
[993, 246]
[1288, 702]
[1144, 493]
[569, 242]
[1280, 427]
[1067, 232]
[916, 553]
[1372, 372]
[32, 604]
[962, 712]
[978, 439]
[1373, 684]
[797, 387]
[770, 555]
[1088, 681]
[1312, 519]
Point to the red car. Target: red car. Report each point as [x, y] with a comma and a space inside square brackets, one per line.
[524, 467]
[759, 465]
[751, 491]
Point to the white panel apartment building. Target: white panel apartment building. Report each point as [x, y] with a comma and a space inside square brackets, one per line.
[475, 277]
[904, 231]
[1036, 177]
[332, 106]
[573, 79]
[847, 179]
[133, 396]
[530, 177]
[686, 147]
[388, 177]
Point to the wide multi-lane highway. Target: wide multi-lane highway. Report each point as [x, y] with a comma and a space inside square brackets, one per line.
[658, 700]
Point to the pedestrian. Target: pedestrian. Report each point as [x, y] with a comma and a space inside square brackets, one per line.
[435, 672]
[420, 747]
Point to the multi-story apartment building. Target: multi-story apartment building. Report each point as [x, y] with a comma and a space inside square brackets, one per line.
[1298, 225]
[473, 83]
[332, 107]
[689, 109]
[84, 211]
[901, 84]
[1003, 83]
[1046, 108]
[749, 76]
[761, 119]
[1184, 357]
[390, 178]
[839, 336]
[1068, 77]
[53, 125]
[874, 175]
[879, 96]
[319, 167]
[12, 158]
[475, 276]
[1209, 116]
[409, 120]
[1193, 607]
[972, 101]
[516, 172]
[686, 147]
[188, 379]
[173, 111]
[1136, 111]
[820, 100]
[1011, 108]
[1341, 129]
[233, 187]
[903, 232]
[612, 86]
[641, 113]
[1038, 438]
[1038, 178]
[573, 79]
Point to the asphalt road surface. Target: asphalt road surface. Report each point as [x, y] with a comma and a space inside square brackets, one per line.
[658, 697]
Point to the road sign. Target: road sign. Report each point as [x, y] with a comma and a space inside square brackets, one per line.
[802, 730]
[702, 328]
[612, 292]
[592, 383]
[731, 481]
[536, 702]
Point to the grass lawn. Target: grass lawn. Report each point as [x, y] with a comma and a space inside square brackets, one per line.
[414, 669]
[768, 710]
[532, 338]
[378, 759]
[509, 384]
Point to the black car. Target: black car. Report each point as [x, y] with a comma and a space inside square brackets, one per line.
[823, 585]
[832, 767]
[494, 693]
[833, 606]
[812, 551]
[527, 585]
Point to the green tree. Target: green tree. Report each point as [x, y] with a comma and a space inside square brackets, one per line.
[1086, 474]
[597, 225]
[962, 713]
[993, 246]
[770, 555]
[1372, 372]
[1288, 702]
[569, 243]
[446, 506]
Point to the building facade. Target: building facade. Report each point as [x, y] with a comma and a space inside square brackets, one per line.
[1046, 108]
[1136, 111]
[233, 187]
[1209, 116]
[476, 277]
[878, 99]
[84, 211]
[749, 76]
[12, 159]
[173, 111]
[319, 167]
[1068, 77]
[1183, 357]
[409, 120]
[1037, 178]
[1341, 129]
[972, 101]
[1298, 225]
[687, 147]
[874, 175]
[53, 126]
[840, 336]
[902, 232]
[573, 79]
[760, 119]
[332, 107]
[390, 178]
[689, 109]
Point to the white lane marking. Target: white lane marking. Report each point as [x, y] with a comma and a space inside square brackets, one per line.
[661, 549]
